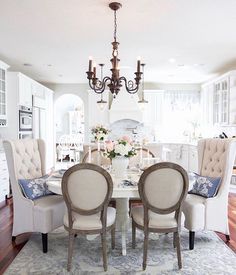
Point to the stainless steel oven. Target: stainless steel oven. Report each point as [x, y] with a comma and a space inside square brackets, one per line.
[25, 134]
[25, 119]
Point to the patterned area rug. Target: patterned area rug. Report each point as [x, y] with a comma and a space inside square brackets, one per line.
[210, 256]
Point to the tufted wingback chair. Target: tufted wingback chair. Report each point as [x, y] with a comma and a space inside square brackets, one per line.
[26, 160]
[215, 159]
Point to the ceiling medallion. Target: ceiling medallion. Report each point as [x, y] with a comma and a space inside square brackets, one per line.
[113, 82]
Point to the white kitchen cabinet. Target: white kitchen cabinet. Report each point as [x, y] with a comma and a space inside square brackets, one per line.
[3, 94]
[206, 105]
[4, 177]
[37, 89]
[192, 159]
[232, 98]
[16, 83]
[182, 154]
[49, 129]
[153, 112]
[43, 124]
[218, 98]
[179, 154]
[21, 88]
[25, 90]
[18, 93]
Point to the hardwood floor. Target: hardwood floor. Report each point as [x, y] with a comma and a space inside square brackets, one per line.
[232, 222]
[9, 249]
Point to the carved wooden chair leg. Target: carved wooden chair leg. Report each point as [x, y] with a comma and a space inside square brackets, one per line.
[113, 230]
[145, 248]
[104, 250]
[174, 239]
[133, 235]
[70, 250]
[178, 250]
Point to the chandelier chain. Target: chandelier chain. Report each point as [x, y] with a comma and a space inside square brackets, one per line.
[101, 66]
[115, 25]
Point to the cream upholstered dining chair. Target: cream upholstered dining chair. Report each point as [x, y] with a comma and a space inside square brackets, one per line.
[135, 161]
[26, 160]
[162, 188]
[87, 189]
[215, 159]
[97, 157]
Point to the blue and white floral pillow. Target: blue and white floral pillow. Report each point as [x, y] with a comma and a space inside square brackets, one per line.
[35, 188]
[206, 187]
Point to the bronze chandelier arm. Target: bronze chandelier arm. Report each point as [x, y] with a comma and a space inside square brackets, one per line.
[100, 86]
[130, 85]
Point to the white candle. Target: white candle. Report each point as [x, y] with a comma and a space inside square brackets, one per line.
[89, 154]
[138, 64]
[90, 63]
[141, 156]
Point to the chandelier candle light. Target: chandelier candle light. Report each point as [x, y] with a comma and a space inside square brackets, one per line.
[115, 81]
[101, 103]
[142, 103]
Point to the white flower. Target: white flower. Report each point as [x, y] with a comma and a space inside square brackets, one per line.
[121, 149]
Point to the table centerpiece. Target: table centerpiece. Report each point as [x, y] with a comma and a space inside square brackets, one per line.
[119, 152]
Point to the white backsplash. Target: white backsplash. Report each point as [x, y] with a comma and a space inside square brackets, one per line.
[132, 128]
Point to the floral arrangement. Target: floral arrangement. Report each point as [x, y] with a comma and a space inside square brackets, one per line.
[99, 132]
[122, 147]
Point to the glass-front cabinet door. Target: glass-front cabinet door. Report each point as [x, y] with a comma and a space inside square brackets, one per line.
[2, 92]
[216, 104]
[221, 102]
[3, 95]
[224, 102]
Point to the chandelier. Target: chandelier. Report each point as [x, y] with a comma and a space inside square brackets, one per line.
[113, 82]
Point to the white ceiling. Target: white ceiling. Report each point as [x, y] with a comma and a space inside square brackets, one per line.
[57, 36]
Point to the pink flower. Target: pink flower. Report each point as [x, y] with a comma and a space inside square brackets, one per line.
[127, 139]
[109, 145]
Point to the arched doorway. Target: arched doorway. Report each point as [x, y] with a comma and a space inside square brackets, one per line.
[69, 122]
